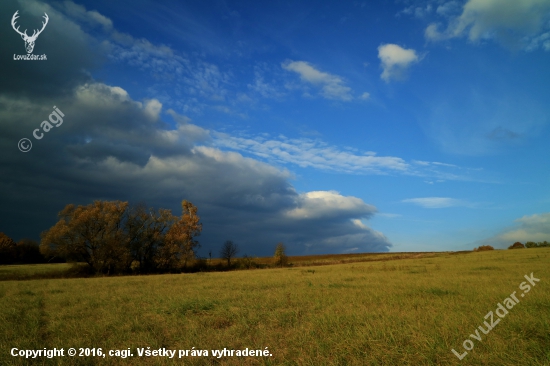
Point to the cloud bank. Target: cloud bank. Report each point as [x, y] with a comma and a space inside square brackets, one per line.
[113, 147]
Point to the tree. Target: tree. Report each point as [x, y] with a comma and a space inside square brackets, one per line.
[229, 250]
[280, 256]
[180, 245]
[28, 251]
[113, 237]
[146, 230]
[516, 245]
[93, 234]
[8, 251]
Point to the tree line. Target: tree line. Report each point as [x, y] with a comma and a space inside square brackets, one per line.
[117, 238]
[516, 245]
[25, 251]
[529, 244]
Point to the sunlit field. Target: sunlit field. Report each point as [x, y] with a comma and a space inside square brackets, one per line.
[385, 312]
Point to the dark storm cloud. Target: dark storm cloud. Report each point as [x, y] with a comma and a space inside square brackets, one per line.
[111, 147]
[69, 52]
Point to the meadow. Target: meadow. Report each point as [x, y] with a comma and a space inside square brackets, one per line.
[395, 310]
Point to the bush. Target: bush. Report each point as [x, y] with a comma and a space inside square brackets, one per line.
[483, 248]
[516, 245]
[247, 262]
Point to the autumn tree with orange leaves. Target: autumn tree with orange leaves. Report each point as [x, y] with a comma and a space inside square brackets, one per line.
[112, 237]
[93, 234]
[146, 230]
[179, 243]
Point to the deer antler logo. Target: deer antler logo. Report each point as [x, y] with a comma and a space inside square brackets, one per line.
[29, 41]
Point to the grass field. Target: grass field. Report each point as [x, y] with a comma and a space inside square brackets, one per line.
[32, 271]
[396, 312]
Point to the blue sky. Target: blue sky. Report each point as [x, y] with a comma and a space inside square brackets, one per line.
[335, 127]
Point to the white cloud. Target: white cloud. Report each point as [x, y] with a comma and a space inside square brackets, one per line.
[483, 16]
[197, 82]
[332, 86]
[532, 228]
[329, 204]
[92, 17]
[153, 108]
[528, 228]
[435, 202]
[312, 153]
[395, 60]
[448, 8]
[389, 215]
[365, 96]
[359, 223]
[432, 33]
[418, 11]
[509, 21]
[542, 41]
[262, 88]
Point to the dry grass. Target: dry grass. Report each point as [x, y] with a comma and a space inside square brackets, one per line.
[401, 312]
[326, 259]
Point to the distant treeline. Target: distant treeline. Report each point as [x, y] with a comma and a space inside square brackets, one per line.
[516, 245]
[529, 244]
[25, 251]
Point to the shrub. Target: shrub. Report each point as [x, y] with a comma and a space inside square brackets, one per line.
[247, 262]
[483, 247]
[516, 245]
